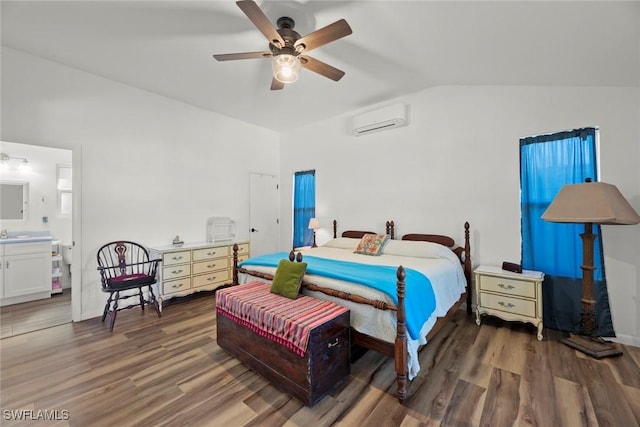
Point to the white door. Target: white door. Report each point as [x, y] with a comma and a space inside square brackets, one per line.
[264, 216]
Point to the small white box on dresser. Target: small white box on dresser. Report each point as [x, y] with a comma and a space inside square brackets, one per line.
[509, 296]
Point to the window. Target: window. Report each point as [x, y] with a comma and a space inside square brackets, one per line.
[304, 207]
[64, 186]
[547, 163]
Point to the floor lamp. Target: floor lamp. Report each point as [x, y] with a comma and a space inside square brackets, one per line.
[590, 203]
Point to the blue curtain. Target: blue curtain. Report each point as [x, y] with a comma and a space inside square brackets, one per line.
[547, 163]
[304, 207]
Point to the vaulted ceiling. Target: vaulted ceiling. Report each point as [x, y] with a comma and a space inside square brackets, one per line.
[397, 47]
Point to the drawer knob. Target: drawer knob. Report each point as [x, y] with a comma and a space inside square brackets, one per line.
[211, 265]
[176, 286]
[506, 304]
[211, 279]
[176, 258]
[333, 344]
[176, 272]
[507, 287]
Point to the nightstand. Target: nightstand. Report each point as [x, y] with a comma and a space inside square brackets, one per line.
[509, 296]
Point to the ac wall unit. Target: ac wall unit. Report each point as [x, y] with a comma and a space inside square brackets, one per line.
[384, 118]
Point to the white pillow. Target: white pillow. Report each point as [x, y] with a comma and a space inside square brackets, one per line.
[342, 243]
[415, 249]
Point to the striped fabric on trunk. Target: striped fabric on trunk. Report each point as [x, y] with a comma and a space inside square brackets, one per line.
[286, 321]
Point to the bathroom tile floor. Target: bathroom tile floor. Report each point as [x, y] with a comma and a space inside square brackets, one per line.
[35, 315]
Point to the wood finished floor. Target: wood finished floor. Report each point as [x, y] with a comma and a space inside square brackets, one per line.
[170, 372]
[34, 315]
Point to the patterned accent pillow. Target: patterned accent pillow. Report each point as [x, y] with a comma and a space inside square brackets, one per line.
[372, 244]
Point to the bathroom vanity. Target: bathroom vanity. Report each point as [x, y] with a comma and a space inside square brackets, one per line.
[25, 269]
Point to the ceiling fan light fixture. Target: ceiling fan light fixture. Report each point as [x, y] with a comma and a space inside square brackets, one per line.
[286, 68]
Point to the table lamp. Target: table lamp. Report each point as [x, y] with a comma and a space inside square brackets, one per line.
[314, 224]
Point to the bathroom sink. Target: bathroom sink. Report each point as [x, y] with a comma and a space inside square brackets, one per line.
[23, 238]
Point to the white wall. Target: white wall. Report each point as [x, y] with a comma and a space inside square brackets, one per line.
[42, 178]
[151, 167]
[458, 161]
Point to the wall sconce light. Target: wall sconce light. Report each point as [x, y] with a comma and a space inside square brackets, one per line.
[5, 158]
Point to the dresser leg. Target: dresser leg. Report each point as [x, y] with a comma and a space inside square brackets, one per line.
[477, 316]
[540, 331]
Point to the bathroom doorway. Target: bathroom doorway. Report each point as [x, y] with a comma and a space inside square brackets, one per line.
[48, 208]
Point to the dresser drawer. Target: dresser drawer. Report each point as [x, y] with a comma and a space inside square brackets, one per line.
[176, 271]
[218, 277]
[511, 305]
[173, 258]
[176, 286]
[243, 249]
[243, 258]
[210, 253]
[508, 286]
[210, 266]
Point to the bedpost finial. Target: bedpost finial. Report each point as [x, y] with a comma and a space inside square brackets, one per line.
[299, 257]
[292, 256]
[401, 274]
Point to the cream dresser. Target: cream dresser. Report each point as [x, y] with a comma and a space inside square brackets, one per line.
[510, 296]
[194, 267]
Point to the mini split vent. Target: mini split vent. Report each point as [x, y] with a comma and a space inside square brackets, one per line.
[384, 118]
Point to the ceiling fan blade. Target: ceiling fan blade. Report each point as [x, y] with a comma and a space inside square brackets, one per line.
[276, 84]
[324, 35]
[320, 67]
[260, 20]
[245, 55]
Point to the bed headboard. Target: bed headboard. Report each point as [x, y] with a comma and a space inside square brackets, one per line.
[357, 234]
[463, 253]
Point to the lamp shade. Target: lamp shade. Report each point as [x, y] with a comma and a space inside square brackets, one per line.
[314, 223]
[591, 202]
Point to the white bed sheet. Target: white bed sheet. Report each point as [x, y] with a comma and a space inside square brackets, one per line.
[445, 273]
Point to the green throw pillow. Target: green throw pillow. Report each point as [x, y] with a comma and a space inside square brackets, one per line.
[288, 278]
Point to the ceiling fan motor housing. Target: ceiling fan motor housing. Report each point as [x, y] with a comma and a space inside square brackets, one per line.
[290, 37]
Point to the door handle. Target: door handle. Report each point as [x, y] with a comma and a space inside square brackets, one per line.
[253, 230]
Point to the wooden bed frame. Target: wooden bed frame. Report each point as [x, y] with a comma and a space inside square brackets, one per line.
[397, 350]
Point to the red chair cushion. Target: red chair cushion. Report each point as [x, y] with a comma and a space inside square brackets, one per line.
[127, 281]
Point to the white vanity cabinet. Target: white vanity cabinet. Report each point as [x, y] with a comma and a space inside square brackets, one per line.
[26, 272]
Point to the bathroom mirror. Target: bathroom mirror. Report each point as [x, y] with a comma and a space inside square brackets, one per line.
[14, 198]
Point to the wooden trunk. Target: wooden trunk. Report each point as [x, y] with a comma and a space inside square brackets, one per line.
[325, 365]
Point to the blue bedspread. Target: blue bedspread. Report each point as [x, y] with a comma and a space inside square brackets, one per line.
[419, 296]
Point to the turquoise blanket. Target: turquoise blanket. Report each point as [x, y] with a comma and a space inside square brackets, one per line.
[419, 301]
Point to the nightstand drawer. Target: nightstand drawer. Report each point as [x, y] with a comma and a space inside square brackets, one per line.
[508, 286]
[511, 305]
[173, 258]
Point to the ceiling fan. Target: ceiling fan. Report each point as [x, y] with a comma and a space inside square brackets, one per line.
[287, 48]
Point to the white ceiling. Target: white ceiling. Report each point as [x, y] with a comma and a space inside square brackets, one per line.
[397, 47]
